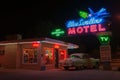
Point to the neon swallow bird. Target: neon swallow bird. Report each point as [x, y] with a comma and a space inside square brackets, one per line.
[100, 14]
[89, 19]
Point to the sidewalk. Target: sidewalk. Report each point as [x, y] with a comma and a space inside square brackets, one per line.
[26, 70]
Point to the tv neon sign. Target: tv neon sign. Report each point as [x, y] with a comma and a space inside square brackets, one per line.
[104, 39]
[91, 23]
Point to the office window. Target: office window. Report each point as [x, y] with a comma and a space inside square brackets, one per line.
[30, 55]
[48, 55]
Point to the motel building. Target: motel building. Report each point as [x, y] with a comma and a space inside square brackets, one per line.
[33, 53]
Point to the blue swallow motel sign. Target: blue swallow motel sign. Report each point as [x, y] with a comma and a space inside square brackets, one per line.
[91, 22]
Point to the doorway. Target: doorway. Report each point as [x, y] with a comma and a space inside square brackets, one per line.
[56, 58]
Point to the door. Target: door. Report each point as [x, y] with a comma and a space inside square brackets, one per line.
[56, 58]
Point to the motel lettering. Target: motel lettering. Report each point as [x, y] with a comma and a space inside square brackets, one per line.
[86, 29]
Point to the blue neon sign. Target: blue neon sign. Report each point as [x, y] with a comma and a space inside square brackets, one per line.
[93, 18]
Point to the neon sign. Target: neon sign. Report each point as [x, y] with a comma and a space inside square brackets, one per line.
[83, 22]
[36, 44]
[86, 29]
[56, 46]
[57, 32]
[104, 39]
[83, 14]
[92, 22]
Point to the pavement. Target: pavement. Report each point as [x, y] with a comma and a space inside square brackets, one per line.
[15, 70]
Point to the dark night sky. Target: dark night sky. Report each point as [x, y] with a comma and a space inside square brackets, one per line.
[37, 19]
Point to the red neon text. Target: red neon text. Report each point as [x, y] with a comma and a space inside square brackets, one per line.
[86, 29]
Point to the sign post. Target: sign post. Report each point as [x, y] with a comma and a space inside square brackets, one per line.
[105, 49]
[105, 53]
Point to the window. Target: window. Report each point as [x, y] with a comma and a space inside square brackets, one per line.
[2, 52]
[62, 55]
[48, 55]
[30, 55]
[74, 56]
[85, 56]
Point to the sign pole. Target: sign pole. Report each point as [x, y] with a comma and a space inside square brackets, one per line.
[105, 50]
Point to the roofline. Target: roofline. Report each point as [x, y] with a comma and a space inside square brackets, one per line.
[40, 40]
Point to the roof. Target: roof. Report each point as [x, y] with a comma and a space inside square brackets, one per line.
[40, 40]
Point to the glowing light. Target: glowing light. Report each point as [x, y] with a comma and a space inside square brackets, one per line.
[83, 22]
[35, 44]
[104, 39]
[46, 54]
[89, 23]
[92, 18]
[83, 14]
[101, 13]
[63, 55]
[57, 32]
[86, 29]
[56, 46]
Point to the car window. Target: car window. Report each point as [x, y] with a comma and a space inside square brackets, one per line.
[85, 56]
[74, 56]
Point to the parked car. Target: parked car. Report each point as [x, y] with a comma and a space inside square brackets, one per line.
[79, 61]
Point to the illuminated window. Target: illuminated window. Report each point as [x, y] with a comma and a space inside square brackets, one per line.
[48, 55]
[63, 55]
[30, 55]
